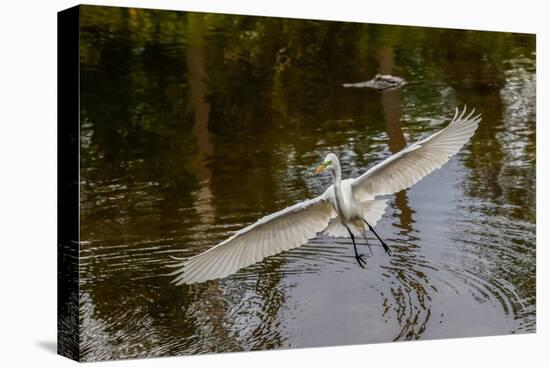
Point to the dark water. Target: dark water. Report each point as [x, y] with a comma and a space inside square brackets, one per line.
[194, 125]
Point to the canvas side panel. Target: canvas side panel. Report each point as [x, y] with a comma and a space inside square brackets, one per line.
[68, 176]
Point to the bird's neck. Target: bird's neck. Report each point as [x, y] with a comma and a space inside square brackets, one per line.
[338, 192]
[336, 176]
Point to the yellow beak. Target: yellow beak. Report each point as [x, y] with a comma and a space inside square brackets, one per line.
[321, 168]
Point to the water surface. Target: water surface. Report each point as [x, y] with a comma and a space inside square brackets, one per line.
[195, 125]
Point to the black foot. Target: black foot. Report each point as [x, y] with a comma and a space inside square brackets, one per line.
[358, 257]
[386, 248]
[360, 260]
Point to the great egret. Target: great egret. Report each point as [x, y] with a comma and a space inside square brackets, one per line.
[343, 209]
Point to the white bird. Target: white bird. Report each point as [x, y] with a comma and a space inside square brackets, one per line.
[344, 208]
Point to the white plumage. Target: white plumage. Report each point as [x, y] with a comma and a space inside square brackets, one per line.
[341, 211]
[373, 210]
[272, 234]
[410, 165]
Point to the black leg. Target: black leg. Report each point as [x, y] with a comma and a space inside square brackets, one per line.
[358, 257]
[386, 248]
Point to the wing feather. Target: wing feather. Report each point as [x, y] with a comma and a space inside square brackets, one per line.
[281, 231]
[410, 165]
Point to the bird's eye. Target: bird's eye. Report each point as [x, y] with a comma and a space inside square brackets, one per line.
[328, 163]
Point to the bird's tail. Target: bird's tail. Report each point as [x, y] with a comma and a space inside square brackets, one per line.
[373, 210]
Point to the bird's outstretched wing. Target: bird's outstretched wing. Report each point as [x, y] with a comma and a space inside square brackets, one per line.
[410, 165]
[272, 234]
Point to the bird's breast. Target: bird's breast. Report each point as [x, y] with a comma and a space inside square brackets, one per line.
[343, 204]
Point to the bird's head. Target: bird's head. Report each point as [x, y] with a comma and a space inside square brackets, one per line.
[329, 162]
